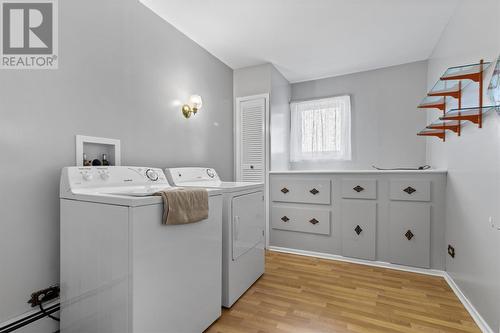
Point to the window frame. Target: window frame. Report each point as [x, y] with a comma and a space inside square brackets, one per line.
[342, 104]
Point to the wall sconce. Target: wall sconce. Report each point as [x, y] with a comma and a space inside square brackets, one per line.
[195, 104]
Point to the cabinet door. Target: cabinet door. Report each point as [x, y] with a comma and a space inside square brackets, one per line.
[359, 188]
[248, 222]
[359, 225]
[409, 233]
[314, 221]
[313, 191]
[250, 139]
[410, 190]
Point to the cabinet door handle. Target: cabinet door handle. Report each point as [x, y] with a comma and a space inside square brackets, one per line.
[285, 219]
[410, 190]
[358, 188]
[314, 191]
[409, 235]
[358, 229]
[313, 221]
[284, 190]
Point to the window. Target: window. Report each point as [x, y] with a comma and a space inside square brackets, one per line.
[321, 129]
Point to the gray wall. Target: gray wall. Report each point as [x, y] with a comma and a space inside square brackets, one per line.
[266, 79]
[280, 121]
[122, 69]
[473, 162]
[385, 119]
[252, 80]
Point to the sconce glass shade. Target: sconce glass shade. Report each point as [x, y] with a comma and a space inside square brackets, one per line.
[194, 105]
[195, 102]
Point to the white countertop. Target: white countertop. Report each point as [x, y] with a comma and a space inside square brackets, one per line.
[371, 171]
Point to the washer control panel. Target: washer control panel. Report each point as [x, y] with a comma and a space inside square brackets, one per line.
[84, 177]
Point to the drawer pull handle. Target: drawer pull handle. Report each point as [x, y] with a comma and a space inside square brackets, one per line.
[410, 190]
[409, 235]
[285, 219]
[314, 191]
[284, 190]
[314, 221]
[358, 229]
[358, 188]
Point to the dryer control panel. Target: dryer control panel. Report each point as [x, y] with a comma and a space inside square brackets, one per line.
[180, 176]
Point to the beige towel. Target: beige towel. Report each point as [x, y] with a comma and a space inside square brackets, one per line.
[184, 205]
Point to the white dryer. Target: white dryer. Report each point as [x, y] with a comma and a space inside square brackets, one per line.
[122, 270]
[243, 227]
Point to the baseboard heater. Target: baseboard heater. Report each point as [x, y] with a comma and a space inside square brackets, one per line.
[29, 319]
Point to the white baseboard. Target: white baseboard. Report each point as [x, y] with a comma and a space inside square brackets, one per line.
[483, 325]
[381, 264]
[43, 325]
[478, 319]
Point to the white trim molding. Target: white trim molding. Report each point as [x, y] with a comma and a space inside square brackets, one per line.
[81, 140]
[267, 148]
[483, 325]
[476, 316]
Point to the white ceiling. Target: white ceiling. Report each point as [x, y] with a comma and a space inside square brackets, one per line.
[310, 39]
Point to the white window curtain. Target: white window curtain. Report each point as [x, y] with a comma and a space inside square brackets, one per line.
[321, 129]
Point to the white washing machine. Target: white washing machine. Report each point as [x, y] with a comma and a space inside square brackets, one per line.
[243, 227]
[122, 270]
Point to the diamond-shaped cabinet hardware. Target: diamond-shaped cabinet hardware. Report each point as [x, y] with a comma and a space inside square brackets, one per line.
[285, 219]
[410, 190]
[314, 191]
[314, 221]
[409, 235]
[358, 229]
[285, 190]
[358, 189]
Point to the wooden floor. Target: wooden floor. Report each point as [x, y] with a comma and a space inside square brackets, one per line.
[307, 295]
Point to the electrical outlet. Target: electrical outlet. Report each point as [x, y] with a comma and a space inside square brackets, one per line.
[451, 251]
[44, 295]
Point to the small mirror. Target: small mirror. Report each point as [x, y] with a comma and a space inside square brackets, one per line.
[494, 87]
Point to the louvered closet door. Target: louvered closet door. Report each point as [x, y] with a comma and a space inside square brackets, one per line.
[251, 121]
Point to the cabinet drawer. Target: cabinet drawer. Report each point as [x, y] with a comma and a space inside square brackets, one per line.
[409, 233]
[359, 188]
[315, 221]
[410, 190]
[359, 225]
[314, 191]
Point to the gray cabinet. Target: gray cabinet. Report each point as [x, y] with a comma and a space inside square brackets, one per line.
[400, 214]
[359, 228]
[409, 239]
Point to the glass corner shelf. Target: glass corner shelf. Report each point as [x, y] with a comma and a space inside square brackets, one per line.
[444, 88]
[474, 114]
[432, 132]
[451, 125]
[433, 102]
[471, 72]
